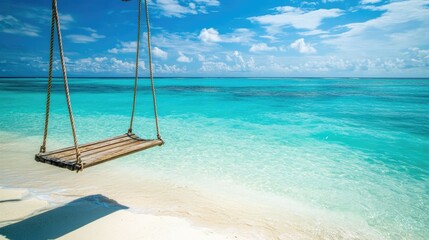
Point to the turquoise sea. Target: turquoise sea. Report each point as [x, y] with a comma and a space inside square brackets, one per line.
[356, 148]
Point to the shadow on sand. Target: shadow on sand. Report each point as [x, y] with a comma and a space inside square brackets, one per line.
[62, 220]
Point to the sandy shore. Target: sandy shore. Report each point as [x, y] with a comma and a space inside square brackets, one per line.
[28, 215]
[96, 217]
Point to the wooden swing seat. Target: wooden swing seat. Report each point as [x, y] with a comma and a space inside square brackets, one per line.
[97, 152]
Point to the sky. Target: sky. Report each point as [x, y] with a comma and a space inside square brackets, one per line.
[221, 38]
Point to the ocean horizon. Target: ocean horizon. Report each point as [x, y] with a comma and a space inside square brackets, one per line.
[329, 158]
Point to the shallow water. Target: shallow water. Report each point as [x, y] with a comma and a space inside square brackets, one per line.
[356, 148]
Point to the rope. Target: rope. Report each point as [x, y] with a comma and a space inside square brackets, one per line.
[158, 134]
[150, 70]
[66, 85]
[48, 97]
[136, 77]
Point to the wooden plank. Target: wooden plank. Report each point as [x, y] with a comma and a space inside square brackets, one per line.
[107, 153]
[133, 149]
[112, 154]
[70, 166]
[102, 145]
[102, 149]
[83, 145]
[69, 155]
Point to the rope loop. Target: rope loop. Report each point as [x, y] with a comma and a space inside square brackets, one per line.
[42, 149]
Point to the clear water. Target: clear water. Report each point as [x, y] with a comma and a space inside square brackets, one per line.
[356, 147]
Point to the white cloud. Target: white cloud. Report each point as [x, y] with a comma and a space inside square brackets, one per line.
[201, 58]
[11, 25]
[100, 59]
[174, 8]
[235, 62]
[369, 1]
[325, 1]
[215, 67]
[157, 52]
[228, 58]
[239, 35]
[183, 58]
[261, 47]
[416, 57]
[238, 58]
[283, 48]
[87, 65]
[306, 3]
[165, 68]
[272, 38]
[183, 41]
[89, 29]
[78, 38]
[36, 61]
[120, 64]
[313, 32]
[81, 38]
[102, 65]
[402, 24]
[302, 47]
[65, 21]
[211, 35]
[295, 17]
[42, 15]
[187, 43]
[209, 2]
[410, 62]
[124, 47]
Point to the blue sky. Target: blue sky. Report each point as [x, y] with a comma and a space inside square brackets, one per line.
[215, 38]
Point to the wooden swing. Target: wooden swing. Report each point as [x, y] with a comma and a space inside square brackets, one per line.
[78, 157]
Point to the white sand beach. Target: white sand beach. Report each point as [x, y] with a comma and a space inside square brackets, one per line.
[17, 206]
